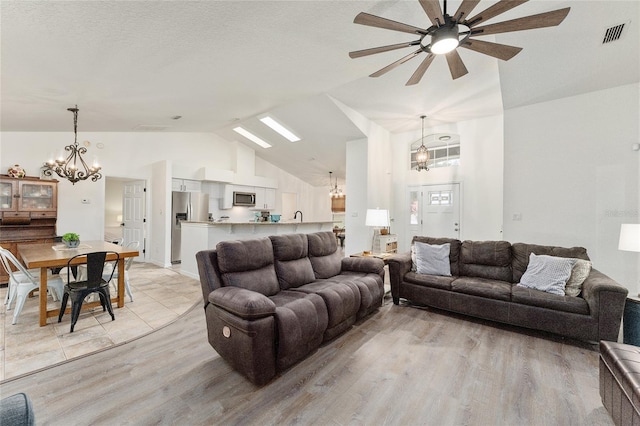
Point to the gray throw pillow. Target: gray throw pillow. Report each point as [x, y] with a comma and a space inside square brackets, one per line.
[432, 259]
[547, 273]
[579, 273]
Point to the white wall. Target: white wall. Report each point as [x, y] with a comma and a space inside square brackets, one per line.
[357, 235]
[313, 202]
[570, 171]
[480, 173]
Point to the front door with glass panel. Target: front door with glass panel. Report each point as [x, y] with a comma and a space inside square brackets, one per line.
[435, 210]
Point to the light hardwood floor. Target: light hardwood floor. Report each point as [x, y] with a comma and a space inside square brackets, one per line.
[402, 366]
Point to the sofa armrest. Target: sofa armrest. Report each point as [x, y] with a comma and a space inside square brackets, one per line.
[399, 265]
[244, 303]
[606, 299]
[368, 265]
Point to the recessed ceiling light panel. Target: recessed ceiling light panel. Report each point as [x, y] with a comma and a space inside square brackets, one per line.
[291, 137]
[253, 138]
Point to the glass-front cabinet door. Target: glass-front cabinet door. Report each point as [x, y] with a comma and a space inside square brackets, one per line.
[39, 196]
[8, 196]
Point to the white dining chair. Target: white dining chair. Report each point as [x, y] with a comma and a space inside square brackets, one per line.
[22, 282]
[127, 264]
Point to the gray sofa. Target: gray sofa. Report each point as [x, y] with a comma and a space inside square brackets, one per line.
[483, 282]
[270, 302]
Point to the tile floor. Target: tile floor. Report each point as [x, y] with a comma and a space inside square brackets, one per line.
[26, 347]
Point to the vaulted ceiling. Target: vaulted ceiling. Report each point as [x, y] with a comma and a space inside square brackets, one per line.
[133, 65]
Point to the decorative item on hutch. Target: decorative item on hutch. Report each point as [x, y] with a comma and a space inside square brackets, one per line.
[16, 172]
[69, 168]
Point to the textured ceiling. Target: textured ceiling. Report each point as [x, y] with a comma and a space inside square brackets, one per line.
[131, 64]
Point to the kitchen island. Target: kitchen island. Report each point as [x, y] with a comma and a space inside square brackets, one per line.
[197, 236]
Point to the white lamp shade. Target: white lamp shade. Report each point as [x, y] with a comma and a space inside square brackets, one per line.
[629, 237]
[377, 217]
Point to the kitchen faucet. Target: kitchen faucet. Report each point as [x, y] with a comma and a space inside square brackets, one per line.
[295, 215]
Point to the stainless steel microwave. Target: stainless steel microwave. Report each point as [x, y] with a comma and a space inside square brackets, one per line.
[247, 199]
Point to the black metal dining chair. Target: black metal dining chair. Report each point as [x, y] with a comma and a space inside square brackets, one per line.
[94, 283]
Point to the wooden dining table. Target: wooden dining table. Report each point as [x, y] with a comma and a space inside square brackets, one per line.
[56, 255]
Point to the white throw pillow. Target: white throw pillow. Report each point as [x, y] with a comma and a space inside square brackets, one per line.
[432, 259]
[579, 273]
[547, 273]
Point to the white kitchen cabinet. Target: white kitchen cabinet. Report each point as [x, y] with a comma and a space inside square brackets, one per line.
[186, 185]
[265, 199]
[226, 199]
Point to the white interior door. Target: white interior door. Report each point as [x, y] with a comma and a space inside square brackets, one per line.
[133, 213]
[441, 210]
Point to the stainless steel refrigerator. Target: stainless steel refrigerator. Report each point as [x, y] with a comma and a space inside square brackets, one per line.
[191, 206]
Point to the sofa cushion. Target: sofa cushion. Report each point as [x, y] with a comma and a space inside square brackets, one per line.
[483, 287]
[301, 320]
[248, 264]
[532, 297]
[432, 259]
[454, 251]
[547, 273]
[579, 274]
[371, 287]
[521, 252]
[292, 263]
[486, 259]
[342, 299]
[324, 255]
[434, 281]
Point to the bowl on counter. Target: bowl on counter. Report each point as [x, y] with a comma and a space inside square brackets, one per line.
[275, 218]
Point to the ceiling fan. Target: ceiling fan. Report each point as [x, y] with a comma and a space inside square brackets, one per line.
[448, 32]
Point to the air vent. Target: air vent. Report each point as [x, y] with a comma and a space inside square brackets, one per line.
[612, 34]
[150, 128]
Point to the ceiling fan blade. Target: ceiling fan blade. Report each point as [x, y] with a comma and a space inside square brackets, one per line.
[456, 66]
[374, 50]
[541, 20]
[395, 64]
[493, 11]
[433, 11]
[376, 21]
[419, 72]
[465, 9]
[500, 51]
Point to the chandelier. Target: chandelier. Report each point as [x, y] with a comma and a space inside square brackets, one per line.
[73, 168]
[422, 154]
[334, 191]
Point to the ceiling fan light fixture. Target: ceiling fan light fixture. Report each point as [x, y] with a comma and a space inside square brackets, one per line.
[444, 40]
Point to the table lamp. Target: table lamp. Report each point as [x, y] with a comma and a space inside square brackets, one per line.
[376, 218]
[629, 237]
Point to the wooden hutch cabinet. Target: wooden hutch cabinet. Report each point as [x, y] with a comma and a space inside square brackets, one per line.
[28, 213]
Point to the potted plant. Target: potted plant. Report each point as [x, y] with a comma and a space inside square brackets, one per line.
[71, 239]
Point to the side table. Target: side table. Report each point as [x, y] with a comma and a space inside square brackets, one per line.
[631, 322]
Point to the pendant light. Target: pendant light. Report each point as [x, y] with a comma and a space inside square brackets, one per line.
[422, 154]
[334, 192]
[73, 168]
